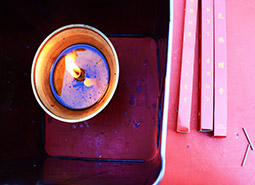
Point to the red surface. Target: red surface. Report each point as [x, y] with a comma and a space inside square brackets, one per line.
[127, 127]
[198, 158]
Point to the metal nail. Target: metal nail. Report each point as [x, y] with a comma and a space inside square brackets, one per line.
[246, 153]
[248, 138]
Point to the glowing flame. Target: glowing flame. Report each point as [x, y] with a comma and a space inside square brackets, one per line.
[71, 67]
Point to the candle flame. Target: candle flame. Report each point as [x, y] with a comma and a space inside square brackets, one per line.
[71, 67]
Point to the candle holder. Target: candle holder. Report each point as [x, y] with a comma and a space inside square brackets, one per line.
[80, 96]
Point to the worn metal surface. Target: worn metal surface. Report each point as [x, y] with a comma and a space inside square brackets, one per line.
[63, 171]
[128, 127]
[26, 23]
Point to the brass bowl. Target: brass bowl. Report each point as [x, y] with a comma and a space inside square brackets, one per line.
[47, 54]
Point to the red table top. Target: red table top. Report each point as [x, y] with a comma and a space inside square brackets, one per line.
[198, 158]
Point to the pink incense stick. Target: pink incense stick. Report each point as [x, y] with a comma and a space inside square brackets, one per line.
[220, 87]
[207, 65]
[187, 68]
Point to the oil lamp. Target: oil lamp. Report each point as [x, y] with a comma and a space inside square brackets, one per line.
[75, 73]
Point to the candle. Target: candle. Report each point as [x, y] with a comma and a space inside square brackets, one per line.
[79, 77]
[75, 73]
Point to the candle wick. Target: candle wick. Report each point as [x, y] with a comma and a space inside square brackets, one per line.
[78, 73]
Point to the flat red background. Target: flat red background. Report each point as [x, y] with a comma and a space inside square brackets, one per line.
[197, 158]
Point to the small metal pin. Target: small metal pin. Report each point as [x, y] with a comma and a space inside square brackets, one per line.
[246, 153]
[248, 138]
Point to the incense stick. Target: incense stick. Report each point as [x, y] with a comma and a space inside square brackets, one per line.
[220, 69]
[207, 66]
[187, 66]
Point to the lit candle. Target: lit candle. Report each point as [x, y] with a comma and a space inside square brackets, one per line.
[79, 77]
[75, 73]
